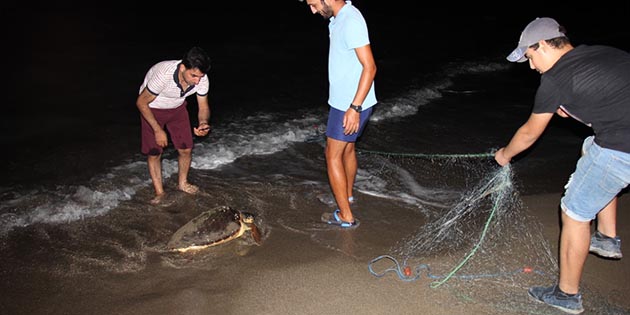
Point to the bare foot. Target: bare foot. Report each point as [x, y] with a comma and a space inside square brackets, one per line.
[157, 199]
[189, 188]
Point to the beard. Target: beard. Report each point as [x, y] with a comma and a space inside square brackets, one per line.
[326, 12]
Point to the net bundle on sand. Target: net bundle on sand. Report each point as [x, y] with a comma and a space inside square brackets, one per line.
[479, 241]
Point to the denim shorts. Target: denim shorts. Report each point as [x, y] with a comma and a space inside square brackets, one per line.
[334, 127]
[599, 176]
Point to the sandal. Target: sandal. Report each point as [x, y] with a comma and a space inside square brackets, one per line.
[334, 219]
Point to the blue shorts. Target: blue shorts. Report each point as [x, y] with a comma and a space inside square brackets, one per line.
[334, 127]
[599, 176]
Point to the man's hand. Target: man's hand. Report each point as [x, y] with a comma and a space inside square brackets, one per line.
[161, 138]
[203, 129]
[351, 122]
[499, 156]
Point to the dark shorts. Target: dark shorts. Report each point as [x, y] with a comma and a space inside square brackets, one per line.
[177, 123]
[334, 127]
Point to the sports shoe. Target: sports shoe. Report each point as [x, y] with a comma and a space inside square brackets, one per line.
[605, 246]
[553, 296]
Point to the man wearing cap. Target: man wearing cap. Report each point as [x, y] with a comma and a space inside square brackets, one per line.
[351, 72]
[592, 85]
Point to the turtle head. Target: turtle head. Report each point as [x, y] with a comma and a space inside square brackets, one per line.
[247, 217]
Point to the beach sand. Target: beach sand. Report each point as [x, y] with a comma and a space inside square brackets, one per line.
[292, 273]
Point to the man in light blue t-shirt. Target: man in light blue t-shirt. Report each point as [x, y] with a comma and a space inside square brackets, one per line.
[351, 72]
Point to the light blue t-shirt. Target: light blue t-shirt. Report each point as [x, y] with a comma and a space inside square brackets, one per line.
[347, 31]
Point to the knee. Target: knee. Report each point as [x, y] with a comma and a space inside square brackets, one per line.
[350, 149]
[154, 157]
[570, 222]
[185, 152]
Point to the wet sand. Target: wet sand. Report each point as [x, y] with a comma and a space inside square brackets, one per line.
[292, 273]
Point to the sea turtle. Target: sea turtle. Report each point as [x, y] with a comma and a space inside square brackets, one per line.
[213, 227]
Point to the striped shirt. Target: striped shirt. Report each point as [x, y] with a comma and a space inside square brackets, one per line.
[163, 82]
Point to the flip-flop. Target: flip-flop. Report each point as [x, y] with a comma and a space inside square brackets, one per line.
[333, 219]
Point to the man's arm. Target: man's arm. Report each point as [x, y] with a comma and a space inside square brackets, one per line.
[367, 75]
[524, 137]
[351, 118]
[143, 105]
[203, 116]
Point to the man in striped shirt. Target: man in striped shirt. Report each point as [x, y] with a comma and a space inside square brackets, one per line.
[162, 104]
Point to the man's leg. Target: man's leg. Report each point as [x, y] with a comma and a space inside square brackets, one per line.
[574, 240]
[184, 161]
[607, 219]
[154, 163]
[574, 243]
[604, 241]
[337, 176]
[181, 135]
[350, 166]
[154, 154]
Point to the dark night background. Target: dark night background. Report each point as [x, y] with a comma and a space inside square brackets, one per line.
[74, 67]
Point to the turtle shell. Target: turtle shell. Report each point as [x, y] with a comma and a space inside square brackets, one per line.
[210, 228]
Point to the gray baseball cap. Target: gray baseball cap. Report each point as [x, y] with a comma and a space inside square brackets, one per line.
[539, 29]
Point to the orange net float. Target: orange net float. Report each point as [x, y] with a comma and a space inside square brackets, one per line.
[407, 271]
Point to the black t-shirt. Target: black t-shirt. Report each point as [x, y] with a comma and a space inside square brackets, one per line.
[592, 84]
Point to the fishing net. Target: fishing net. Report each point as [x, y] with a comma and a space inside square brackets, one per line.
[478, 240]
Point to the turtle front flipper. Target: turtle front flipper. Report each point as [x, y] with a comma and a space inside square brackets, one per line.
[256, 235]
[249, 220]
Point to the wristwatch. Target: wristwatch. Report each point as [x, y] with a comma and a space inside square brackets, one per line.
[356, 108]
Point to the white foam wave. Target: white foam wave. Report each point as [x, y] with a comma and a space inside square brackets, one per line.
[257, 134]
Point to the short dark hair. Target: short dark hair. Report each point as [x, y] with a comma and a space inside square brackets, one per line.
[558, 42]
[196, 57]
